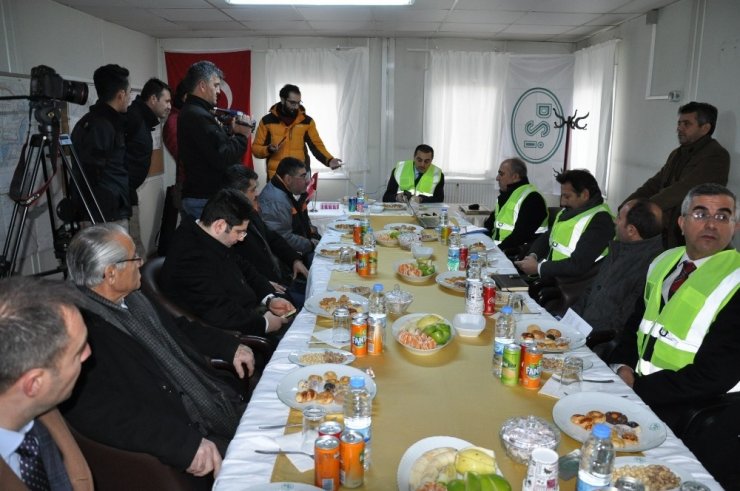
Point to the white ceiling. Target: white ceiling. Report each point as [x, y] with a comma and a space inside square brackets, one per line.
[500, 20]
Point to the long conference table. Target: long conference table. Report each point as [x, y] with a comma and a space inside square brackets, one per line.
[450, 393]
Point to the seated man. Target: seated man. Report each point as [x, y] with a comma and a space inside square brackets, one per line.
[202, 275]
[286, 214]
[43, 342]
[521, 212]
[581, 232]
[148, 387]
[680, 346]
[610, 299]
[265, 249]
[418, 180]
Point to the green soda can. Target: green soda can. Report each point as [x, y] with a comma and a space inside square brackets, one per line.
[510, 364]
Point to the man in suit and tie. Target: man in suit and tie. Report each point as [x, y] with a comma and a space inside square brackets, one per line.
[680, 347]
[43, 342]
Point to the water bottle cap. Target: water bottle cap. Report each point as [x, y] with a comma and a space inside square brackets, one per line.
[602, 431]
[474, 255]
[377, 287]
[506, 309]
[357, 382]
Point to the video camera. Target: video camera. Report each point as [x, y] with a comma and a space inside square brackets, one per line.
[226, 115]
[47, 84]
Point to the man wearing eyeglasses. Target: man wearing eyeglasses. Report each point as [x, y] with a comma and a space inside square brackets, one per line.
[699, 159]
[202, 275]
[287, 131]
[680, 346]
[285, 210]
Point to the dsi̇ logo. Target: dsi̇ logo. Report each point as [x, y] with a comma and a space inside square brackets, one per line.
[533, 131]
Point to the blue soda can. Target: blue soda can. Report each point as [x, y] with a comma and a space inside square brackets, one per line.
[352, 203]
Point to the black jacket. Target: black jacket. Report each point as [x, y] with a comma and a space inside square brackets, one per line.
[205, 148]
[531, 215]
[204, 277]
[125, 400]
[99, 141]
[140, 122]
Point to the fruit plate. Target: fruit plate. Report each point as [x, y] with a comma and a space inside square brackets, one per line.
[313, 304]
[306, 357]
[408, 277]
[384, 238]
[404, 227]
[652, 429]
[417, 450]
[411, 319]
[288, 386]
[680, 472]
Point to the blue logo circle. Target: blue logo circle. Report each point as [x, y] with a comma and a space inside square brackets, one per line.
[533, 131]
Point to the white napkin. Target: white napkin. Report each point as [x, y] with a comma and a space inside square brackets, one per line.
[552, 388]
[324, 335]
[290, 442]
[342, 267]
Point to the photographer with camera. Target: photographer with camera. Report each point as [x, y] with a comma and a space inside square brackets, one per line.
[99, 141]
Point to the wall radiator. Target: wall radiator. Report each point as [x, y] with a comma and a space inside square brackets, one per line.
[468, 192]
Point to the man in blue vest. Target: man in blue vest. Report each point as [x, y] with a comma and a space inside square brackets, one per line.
[680, 347]
[416, 180]
[580, 234]
[521, 213]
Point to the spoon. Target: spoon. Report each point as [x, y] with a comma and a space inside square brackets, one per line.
[283, 452]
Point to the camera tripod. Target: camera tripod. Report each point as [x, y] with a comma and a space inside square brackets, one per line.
[24, 191]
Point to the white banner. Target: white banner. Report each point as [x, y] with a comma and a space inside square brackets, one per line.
[537, 88]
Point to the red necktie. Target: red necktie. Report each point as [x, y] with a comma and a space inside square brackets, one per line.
[686, 270]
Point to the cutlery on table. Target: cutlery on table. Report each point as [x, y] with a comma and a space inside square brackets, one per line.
[591, 380]
[272, 427]
[283, 452]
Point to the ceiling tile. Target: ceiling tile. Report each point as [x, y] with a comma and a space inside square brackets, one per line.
[355, 14]
[481, 16]
[387, 14]
[169, 4]
[536, 29]
[642, 6]
[278, 25]
[610, 19]
[176, 15]
[341, 26]
[263, 13]
[469, 28]
[409, 26]
[211, 26]
[542, 18]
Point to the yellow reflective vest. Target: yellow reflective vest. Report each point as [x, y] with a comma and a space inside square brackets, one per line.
[565, 234]
[507, 215]
[405, 177]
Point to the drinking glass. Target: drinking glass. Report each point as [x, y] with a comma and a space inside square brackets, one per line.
[340, 330]
[313, 416]
[571, 375]
[516, 301]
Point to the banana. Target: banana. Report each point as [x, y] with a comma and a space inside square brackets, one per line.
[428, 467]
[475, 459]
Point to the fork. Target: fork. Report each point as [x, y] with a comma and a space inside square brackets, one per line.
[283, 452]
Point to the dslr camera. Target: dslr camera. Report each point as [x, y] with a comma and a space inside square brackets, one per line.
[47, 84]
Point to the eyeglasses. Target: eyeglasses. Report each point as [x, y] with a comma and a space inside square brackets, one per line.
[703, 216]
[239, 233]
[135, 259]
[293, 103]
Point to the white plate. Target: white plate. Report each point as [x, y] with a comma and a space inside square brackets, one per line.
[401, 322]
[383, 238]
[313, 303]
[283, 486]
[469, 240]
[418, 449]
[652, 429]
[404, 227]
[295, 356]
[288, 386]
[576, 338]
[412, 279]
[443, 279]
[586, 362]
[676, 469]
[337, 225]
[331, 247]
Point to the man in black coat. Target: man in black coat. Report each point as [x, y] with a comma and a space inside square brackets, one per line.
[147, 387]
[144, 114]
[202, 275]
[99, 142]
[206, 146]
[266, 250]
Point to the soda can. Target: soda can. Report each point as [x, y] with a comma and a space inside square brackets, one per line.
[362, 265]
[463, 257]
[693, 486]
[331, 428]
[375, 329]
[364, 226]
[358, 334]
[326, 463]
[444, 234]
[524, 344]
[352, 204]
[357, 234]
[532, 361]
[628, 483]
[489, 297]
[351, 456]
[542, 471]
[372, 261]
[510, 364]
[474, 296]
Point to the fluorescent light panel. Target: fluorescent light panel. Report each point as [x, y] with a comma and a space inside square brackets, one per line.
[320, 2]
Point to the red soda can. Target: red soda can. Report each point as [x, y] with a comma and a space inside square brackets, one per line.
[351, 456]
[532, 363]
[362, 262]
[358, 335]
[489, 297]
[357, 234]
[331, 428]
[463, 258]
[326, 462]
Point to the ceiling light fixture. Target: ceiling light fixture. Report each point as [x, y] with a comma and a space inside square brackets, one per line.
[321, 2]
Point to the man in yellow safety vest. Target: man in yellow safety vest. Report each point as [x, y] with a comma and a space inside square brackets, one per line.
[416, 180]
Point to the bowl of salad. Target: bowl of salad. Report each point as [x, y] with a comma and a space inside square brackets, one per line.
[415, 271]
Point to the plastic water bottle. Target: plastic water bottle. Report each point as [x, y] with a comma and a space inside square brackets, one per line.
[360, 200]
[376, 321]
[474, 266]
[597, 460]
[453, 252]
[358, 413]
[504, 334]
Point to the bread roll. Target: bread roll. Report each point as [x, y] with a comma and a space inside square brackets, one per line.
[325, 397]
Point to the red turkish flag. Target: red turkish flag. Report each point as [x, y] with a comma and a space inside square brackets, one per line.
[235, 88]
[312, 186]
